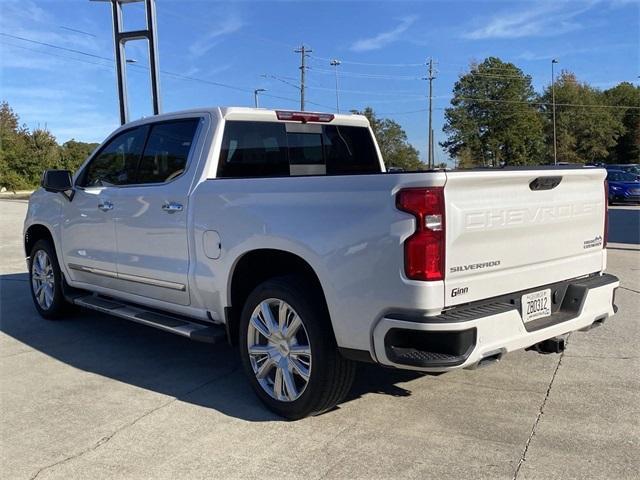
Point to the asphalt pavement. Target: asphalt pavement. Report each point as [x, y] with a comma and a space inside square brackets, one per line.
[93, 397]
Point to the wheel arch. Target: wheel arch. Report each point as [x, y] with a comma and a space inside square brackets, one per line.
[36, 232]
[257, 266]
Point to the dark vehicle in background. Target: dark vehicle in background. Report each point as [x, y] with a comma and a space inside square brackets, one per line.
[623, 186]
[632, 168]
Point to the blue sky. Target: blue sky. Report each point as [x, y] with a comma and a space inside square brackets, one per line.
[382, 45]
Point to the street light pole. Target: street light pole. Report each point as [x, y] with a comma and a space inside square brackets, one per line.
[255, 95]
[335, 63]
[553, 102]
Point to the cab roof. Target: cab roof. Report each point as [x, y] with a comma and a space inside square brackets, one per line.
[259, 115]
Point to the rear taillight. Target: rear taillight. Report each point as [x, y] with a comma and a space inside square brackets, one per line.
[424, 251]
[605, 237]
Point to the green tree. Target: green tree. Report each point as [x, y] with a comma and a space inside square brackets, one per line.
[492, 120]
[392, 139]
[41, 153]
[24, 155]
[627, 149]
[584, 134]
[72, 153]
[13, 143]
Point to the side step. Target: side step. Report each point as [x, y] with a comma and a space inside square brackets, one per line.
[170, 323]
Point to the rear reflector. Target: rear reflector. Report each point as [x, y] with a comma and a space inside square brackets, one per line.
[304, 117]
[424, 251]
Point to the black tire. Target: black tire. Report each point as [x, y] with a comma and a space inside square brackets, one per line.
[58, 305]
[331, 375]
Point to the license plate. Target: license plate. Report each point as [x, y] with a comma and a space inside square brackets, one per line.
[536, 305]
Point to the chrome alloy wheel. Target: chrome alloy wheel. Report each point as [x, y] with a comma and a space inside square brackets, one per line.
[42, 279]
[279, 350]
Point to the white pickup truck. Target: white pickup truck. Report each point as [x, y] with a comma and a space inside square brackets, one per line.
[283, 233]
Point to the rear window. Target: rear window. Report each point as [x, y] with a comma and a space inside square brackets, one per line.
[275, 149]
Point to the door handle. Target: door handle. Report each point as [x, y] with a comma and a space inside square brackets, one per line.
[172, 207]
[105, 206]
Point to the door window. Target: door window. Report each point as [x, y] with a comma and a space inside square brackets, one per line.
[167, 150]
[117, 161]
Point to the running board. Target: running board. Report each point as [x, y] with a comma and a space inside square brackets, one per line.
[169, 323]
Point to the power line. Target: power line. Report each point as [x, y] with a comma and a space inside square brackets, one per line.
[164, 72]
[366, 75]
[493, 75]
[79, 52]
[77, 31]
[110, 67]
[349, 62]
[248, 90]
[281, 79]
[523, 102]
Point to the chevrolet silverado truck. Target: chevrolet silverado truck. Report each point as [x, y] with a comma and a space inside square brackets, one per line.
[283, 233]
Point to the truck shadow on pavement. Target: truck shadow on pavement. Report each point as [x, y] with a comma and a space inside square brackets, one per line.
[207, 375]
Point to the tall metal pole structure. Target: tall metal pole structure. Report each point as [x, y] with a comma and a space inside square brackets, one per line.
[433, 153]
[303, 51]
[255, 95]
[335, 63]
[120, 39]
[553, 101]
[430, 133]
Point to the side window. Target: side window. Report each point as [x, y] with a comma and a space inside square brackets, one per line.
[167, 150]
[253, 149]
[116, 163]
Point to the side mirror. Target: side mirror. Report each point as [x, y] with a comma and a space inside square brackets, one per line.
[57, 180]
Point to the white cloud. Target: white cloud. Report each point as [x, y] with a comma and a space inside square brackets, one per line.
[384, 38]
[561, 52]
[542, 19]
[230, 25]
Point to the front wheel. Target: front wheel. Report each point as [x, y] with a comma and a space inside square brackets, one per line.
[46, 280]
[288, 350]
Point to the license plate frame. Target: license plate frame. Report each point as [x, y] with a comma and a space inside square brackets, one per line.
[536, 305]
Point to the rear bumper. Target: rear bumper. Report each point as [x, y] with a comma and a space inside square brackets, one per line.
[466, 337]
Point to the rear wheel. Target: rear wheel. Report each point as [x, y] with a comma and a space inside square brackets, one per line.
[46, 280]
[289, 352]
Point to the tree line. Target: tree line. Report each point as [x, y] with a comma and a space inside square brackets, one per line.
[25, 154]
[496, 118]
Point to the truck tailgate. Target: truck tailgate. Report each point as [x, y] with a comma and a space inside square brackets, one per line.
[510, 230]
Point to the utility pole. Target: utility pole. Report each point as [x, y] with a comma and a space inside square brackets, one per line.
[255, 95]
[553, 101]
[335, 63]
[430, 134]
[433, 156]
[303, 51]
